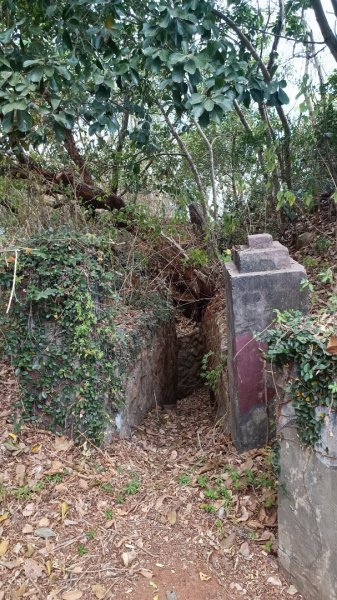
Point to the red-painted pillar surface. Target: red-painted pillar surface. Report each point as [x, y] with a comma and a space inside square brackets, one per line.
[261, 278]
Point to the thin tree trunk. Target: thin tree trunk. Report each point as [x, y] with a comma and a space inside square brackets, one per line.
[327, 33]
[189, 159]
[248, 129]
[211, 160]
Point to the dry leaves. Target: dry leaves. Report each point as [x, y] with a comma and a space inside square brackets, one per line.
[20, 473]
[332, 345]
[99, 591]
[171, 517]
[128, 557]
[4, 544]
[244, 550]
[72, 595]
[33, 569]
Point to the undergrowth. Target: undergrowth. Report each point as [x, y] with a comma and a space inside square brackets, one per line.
[60, 330]
[307, 346]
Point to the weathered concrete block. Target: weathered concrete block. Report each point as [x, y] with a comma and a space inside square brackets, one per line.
[214, 330]
[260, 280]
[151, 377]
[307, 510]
[256, 258]
[189, 361]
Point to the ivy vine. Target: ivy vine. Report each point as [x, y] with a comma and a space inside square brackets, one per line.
[60, 331]
[304, 341]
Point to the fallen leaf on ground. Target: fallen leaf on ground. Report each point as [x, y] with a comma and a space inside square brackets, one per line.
[44, 532]
[228, 541]
[204, 577]
[27, 528]
[4, 517]
[244, 549]
[332, 345]
[209, 466]
[146, 573]
[28, 510]
[35, 449]
[11, 564]
[128, 557]
[64, 510]
[265, 536]
[73, 595]
[274, 580]
[49, 567]
[19, 592]
[4, 547]
[20, 473]
[30, 550]
[99, 591]
[171, 517]
[292, 591]
[33, 569]
[61, 444]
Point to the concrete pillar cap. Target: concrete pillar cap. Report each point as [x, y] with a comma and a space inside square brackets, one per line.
[260, 240]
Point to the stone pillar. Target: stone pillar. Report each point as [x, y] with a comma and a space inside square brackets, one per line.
[261, 278]
[307, 506]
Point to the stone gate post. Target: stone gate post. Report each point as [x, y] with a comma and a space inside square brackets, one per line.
[261, 278]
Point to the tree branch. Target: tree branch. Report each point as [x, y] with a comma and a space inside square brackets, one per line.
[70, 146]
[327, 33]
[188, 157]
[277, 34]
[89, 195]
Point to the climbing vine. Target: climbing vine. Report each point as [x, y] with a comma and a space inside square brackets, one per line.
[60, 330]
[309, 344]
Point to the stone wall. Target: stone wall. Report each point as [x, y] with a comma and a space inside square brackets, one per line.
[307, 513]
[214, 333]
[150, 378]
[190, 352]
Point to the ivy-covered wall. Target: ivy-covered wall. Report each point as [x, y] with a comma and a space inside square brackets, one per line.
[63, 329]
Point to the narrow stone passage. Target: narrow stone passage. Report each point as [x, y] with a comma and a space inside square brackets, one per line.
[173, 510]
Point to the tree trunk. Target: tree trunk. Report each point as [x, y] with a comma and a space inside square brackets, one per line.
[327, 33]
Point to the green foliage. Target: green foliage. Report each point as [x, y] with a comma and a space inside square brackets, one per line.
[211, 377]
[90, 534]
[82, 550]
[60, 332]
[184, 479]
[302, 341]
[310, 261]
[197, 257]
[322, 244]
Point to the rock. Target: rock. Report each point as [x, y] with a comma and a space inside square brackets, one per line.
[304, 239]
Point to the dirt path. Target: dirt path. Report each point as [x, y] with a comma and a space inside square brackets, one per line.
[174, 510]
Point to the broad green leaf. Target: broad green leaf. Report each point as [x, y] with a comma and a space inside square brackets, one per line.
[21, 105]
[6, 36]
[36, 74]
[7, 122]
[209, 105]
[282, 96]
[196, 98]
[29, 63]
[190, 66]
[24, 121]
[55, 102]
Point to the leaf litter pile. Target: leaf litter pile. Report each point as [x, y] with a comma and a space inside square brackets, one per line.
[173, 514]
